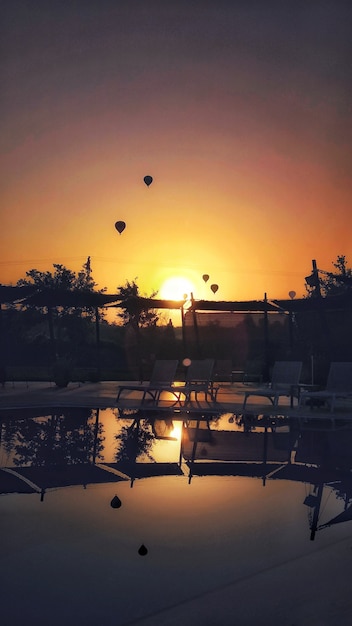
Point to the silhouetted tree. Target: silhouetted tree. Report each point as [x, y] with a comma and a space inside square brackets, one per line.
[331, 283]
[72, 325]
[133, 310]
[326, 333]
[63, 438]
[133, 441]
[140, 327]
[63, 279]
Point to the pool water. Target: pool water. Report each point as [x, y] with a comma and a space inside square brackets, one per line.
[228, 541]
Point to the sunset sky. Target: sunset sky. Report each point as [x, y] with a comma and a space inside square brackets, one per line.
[240, 110]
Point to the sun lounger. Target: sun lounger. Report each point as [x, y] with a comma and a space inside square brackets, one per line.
[338, 385]
[284, 382]
[162, 377]
[199, 379]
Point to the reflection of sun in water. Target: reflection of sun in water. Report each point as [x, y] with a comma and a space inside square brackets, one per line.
[176, 430]
[175, 288]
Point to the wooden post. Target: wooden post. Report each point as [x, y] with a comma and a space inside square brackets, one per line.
[51, 332]
[3, 350]
[266, 340]
[290, 323]
[184, 342]
[316, 278]
[196, 330]
[324, 327]
[265, 454]
[95, 443]
[314, 525]
[97, 330]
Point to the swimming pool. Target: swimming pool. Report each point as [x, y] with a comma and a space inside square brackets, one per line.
[227, 512]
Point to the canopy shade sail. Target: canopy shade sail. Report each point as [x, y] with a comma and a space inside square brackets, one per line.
[329, 303]
[9, 293]
[149, 303]
[243, 306]
[60, 297]
[30, 295]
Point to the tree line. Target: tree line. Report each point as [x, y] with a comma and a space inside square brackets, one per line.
[87, 342]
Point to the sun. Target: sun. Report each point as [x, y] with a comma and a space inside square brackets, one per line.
[176, 288]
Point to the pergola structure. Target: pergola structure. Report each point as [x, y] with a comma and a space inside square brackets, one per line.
[32, 296]
[52, 298]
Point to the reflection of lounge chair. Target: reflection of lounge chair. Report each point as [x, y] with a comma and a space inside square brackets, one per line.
[338, 385]
[161, 378]
[199, 379]
[284, 382]
[203, 444]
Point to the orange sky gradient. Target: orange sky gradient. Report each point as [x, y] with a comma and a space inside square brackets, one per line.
[240, 115]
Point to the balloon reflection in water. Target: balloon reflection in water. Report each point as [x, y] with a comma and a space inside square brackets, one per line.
[142, 550]
[115, 502]
[120, 226]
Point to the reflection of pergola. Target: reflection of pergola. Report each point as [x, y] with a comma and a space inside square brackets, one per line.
[264, 455]
[40, 479]
[267, 455]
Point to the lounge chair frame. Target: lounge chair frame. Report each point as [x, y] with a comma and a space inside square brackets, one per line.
[162, 378]
[199, 379]
[284, 382]
[338, 386]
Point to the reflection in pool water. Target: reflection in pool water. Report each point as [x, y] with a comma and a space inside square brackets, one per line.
[217, 505]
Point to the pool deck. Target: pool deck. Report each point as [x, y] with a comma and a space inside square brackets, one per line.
[102, 395]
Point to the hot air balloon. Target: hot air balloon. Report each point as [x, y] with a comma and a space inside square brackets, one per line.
[142, 550]
[120, 226]
[214, 288]
[205, 277]
[148, 180]
[292, 294]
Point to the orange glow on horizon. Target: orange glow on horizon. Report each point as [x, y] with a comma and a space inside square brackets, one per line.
[249, 184]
